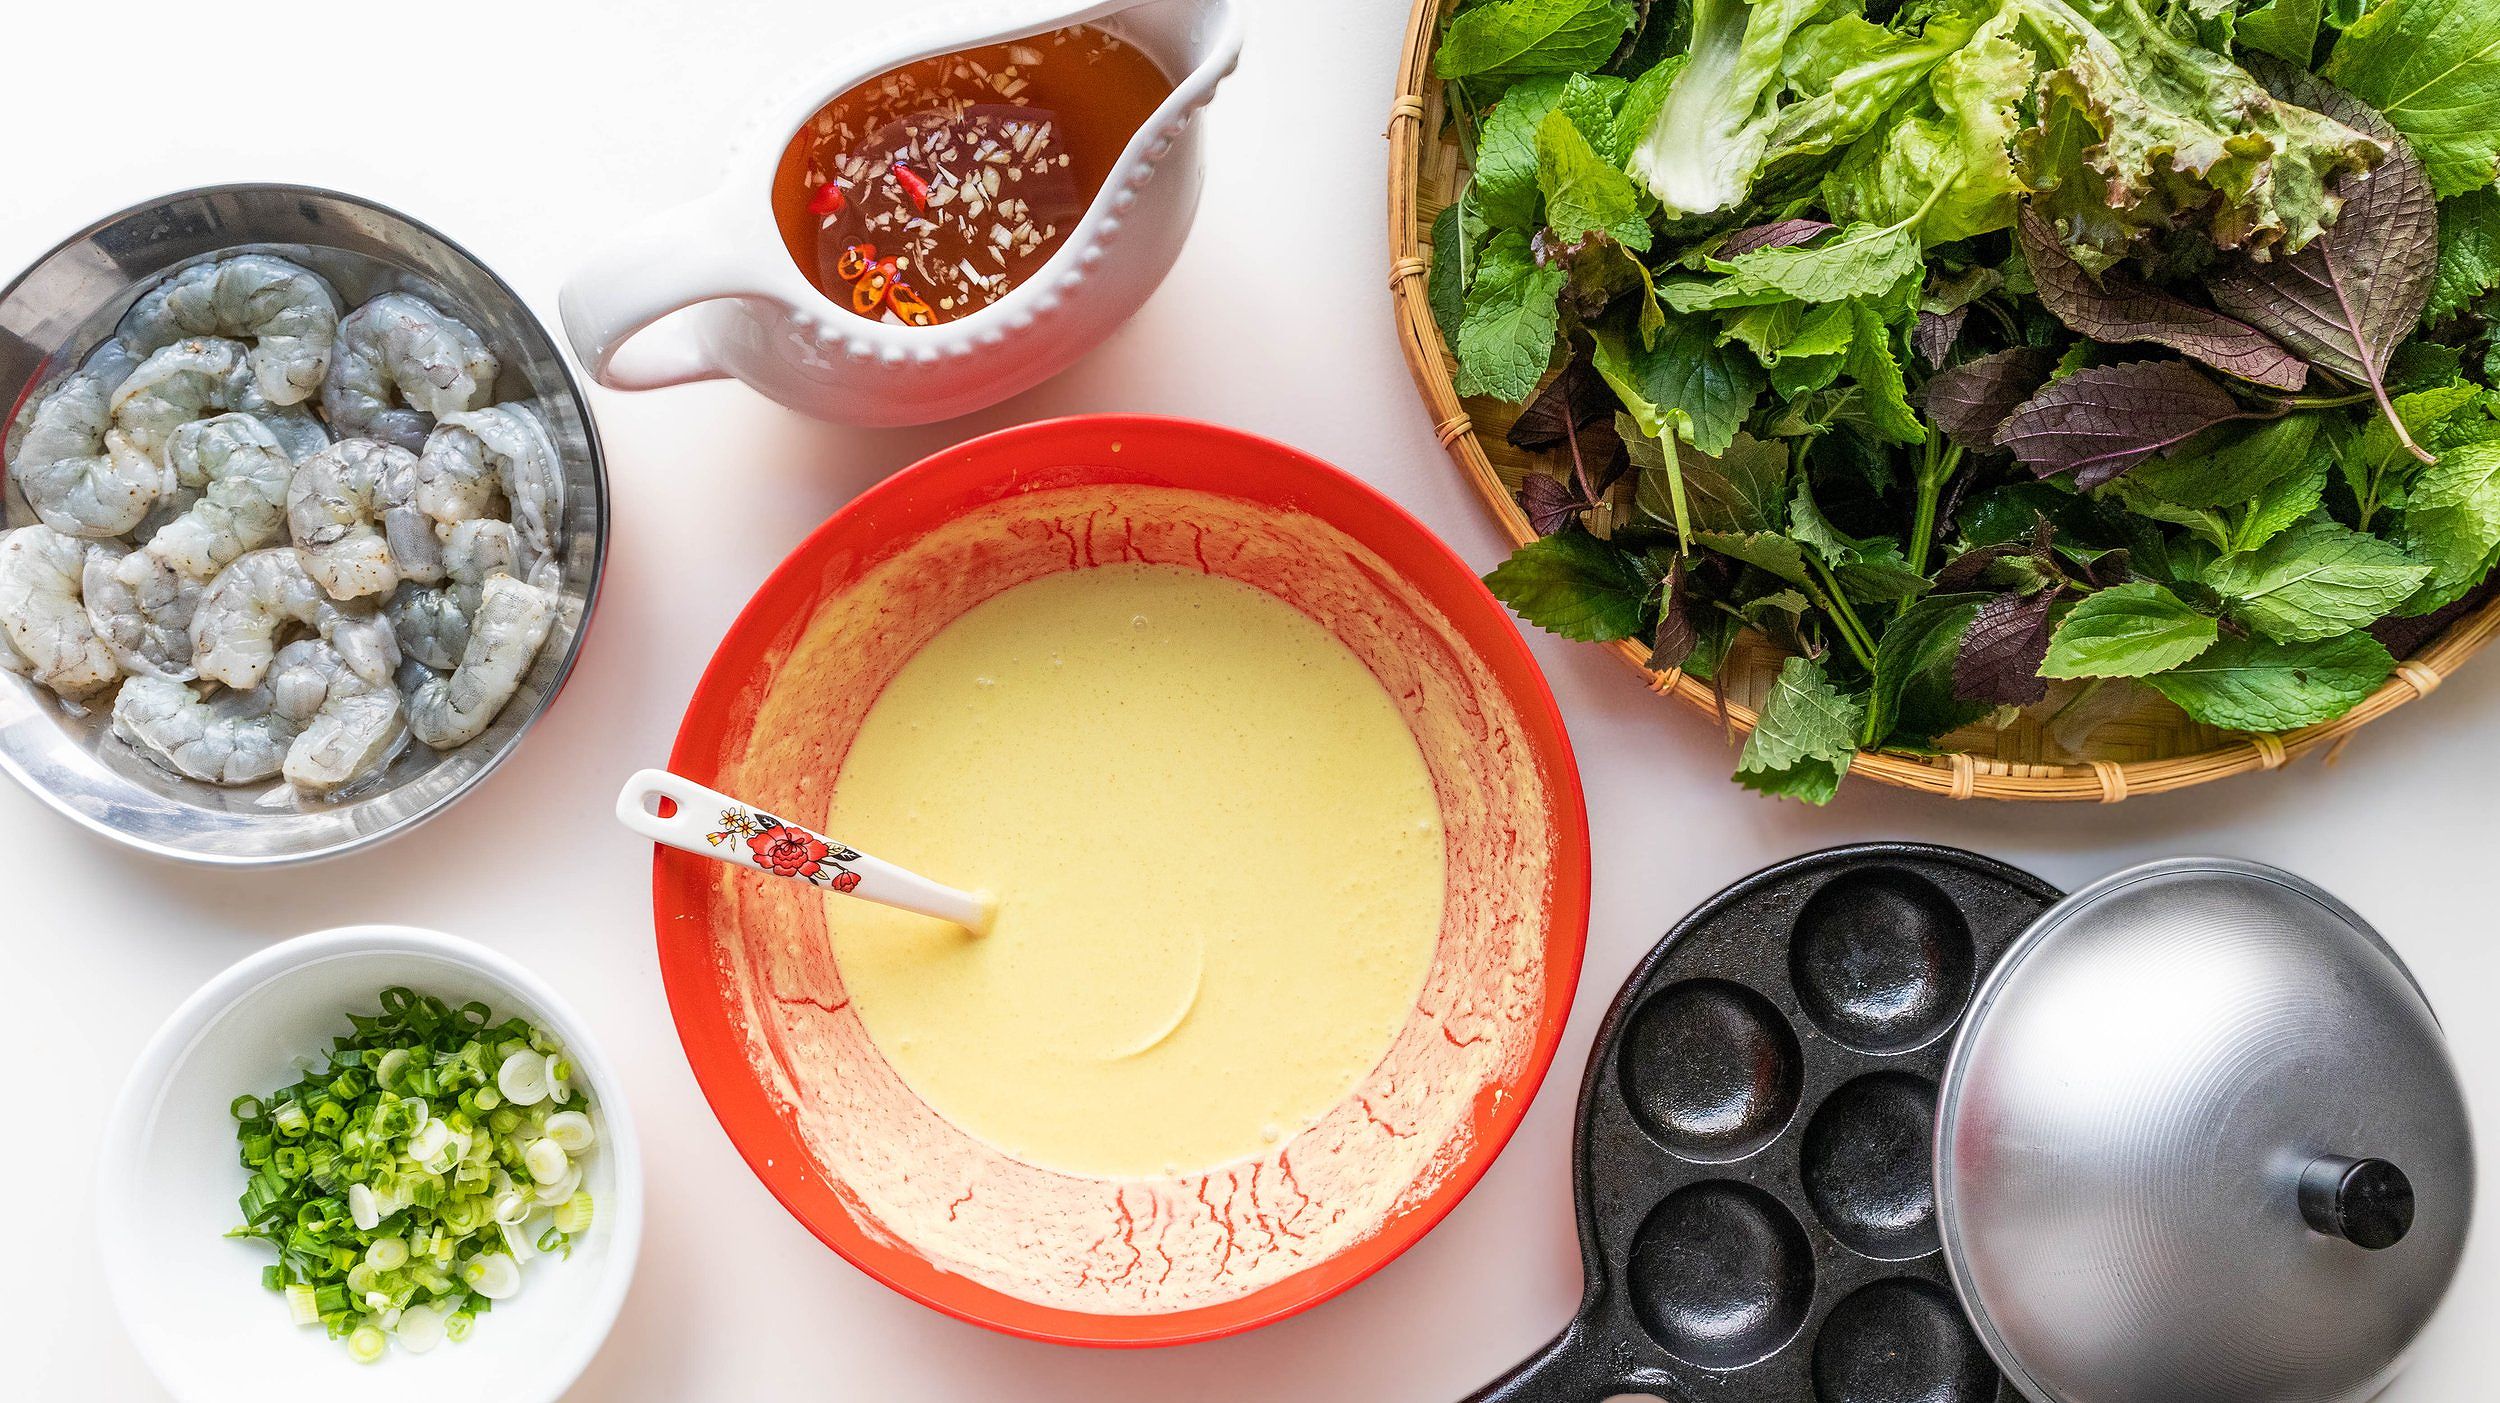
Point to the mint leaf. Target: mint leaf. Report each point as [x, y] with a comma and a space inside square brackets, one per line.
[2105, 419]
[1445, 286]
[1506, 333]
[1885, 398]
[2452, 522]
[1574, 584]
[1767, 551]
[2433, 68]
[1505, 165]
[1508, 38]
[1687, 383]
[2469, 252]
[1914, 699]
[2117, 306]
[2273, 508]
[2255, 684]
[1806, 737]
[1860, 261]
[1585, 195]
[2127, 630]
[2314, 582]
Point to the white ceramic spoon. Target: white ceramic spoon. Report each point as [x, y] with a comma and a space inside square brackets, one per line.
[710, 824]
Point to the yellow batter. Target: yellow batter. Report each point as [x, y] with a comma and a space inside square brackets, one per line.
[1217, 851]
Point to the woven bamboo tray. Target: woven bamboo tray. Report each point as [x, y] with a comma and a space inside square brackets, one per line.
[2140, 744]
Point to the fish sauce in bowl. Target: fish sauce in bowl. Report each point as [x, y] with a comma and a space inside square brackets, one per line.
[933, 190]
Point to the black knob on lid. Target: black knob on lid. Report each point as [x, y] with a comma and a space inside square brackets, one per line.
[2366, 1202]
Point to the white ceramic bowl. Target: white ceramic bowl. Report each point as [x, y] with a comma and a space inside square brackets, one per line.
[169, 1182]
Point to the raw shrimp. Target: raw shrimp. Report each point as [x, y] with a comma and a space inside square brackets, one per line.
[296, 431]
[226, 737]
[352, 512]
[471, 457]
[40, 608]
[185, 381]
[242, 473]
[234, 634]
[510, 626]
[288, 313]
[432, 621]
[400, 364]
[141, 607]
[352, 724]
[81, 476]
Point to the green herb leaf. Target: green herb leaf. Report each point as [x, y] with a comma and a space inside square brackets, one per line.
[1859, 261]
[1574, 584]
[1806, 737]
[1913, 700]
[1885, 398]
[1687, 383]
[2129, 630]
[2452, 522]
[2469, 252]
[1506, 156]
[2287, 29]
[1584, 194]
[1767, 551]
[2432, 67]
[1506, 334]
[2315, 581]
[1510, 38]
[1445, 287]
[2255, 684]
[2275, 507]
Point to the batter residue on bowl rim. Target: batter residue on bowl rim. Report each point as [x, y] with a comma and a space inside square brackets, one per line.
[1218, 849]
[913, 1179]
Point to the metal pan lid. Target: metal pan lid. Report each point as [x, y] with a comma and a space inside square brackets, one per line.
[2201, 1138]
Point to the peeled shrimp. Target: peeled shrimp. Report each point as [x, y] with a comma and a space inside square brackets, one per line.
[352, 511]
[288, 313]
[471, 457]
[352, 724]
[296, 431]
[234, 633]
[225, 737]
[180, 383]
[432, 621]
[400, 364]
[242, 472]
[81, 477]
[511, 624]
[41, 609]
[141, 607]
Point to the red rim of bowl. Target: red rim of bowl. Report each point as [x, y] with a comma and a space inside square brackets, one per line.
[1080, 450]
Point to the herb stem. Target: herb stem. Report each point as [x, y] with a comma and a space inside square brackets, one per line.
[1844, 619]
[1933, 474]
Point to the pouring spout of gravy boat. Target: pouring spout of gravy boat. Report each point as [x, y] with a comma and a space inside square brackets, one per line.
[711, 824]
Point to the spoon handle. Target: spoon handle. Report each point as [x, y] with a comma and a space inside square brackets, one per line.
[711, 824]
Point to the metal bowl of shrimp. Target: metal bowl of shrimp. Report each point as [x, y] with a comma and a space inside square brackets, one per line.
[305, 516]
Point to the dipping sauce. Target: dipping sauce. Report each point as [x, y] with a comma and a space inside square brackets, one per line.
[1219, 855]
[933, 190]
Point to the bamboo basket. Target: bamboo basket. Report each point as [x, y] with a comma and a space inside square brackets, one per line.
[2138, 744]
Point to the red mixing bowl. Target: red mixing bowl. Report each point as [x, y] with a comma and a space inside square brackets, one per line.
[829, 1127]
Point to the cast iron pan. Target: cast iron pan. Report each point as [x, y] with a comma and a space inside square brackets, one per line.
[1753, 1159]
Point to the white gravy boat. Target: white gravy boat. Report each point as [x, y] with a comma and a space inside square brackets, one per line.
[751, 314]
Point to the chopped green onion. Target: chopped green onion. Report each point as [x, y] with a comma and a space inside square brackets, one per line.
[400, 1179]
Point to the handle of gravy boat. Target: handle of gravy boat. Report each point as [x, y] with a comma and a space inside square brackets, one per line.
[711, 824]
[675, 260]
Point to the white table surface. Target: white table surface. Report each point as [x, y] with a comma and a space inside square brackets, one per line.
[560, 121]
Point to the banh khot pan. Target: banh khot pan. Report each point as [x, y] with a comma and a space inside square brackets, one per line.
[1895, 1123]
[1752, 1164]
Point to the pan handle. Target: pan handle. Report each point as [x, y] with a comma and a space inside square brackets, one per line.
[1576, 1366]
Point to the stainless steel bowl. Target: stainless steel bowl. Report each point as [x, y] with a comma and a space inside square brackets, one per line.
[70, 299]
